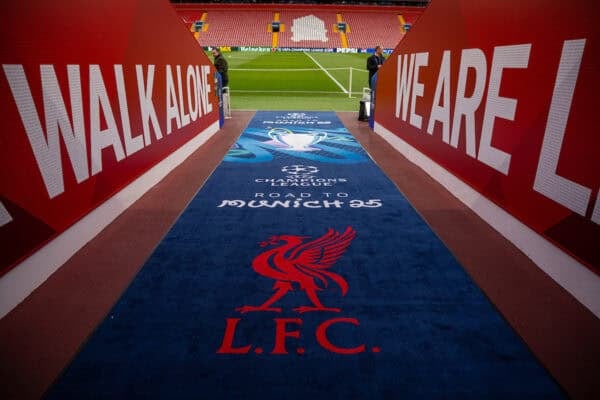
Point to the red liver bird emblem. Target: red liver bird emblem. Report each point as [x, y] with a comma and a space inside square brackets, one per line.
[304, 262]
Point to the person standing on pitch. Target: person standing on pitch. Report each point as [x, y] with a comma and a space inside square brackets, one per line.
[374, 63]
[221, 66]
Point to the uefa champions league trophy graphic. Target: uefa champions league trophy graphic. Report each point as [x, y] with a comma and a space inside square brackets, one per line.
[296, 141]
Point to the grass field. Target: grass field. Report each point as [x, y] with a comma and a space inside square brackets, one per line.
[296, 81]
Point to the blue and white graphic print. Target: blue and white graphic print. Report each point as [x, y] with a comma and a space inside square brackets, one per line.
[307, 136]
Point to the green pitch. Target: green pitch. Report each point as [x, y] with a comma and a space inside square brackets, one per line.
[296, 81]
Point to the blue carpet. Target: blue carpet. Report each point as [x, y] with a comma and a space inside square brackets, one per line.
[299, 271]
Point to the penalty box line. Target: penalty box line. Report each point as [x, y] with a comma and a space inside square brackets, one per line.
[326, 72]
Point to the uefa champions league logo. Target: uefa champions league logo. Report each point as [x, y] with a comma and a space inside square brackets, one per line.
[296, 115]
[300, 171]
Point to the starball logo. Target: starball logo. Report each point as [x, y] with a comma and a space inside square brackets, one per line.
[298, 262]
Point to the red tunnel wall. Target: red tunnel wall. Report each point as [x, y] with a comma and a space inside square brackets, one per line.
[496, 101]
[94, 95]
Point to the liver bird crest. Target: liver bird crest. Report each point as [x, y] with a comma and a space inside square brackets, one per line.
[306, 263]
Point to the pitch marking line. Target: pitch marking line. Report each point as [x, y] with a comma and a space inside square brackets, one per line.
[328, 74]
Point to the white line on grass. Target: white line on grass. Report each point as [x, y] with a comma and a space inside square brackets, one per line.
[286, 69]
[274, 69]
[328, 74]
[284, 91]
